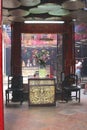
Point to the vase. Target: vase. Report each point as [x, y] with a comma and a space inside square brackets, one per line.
[42, 71]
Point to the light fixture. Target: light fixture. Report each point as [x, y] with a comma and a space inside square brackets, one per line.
[74, 20]
[73, 4]
[85, 8]
[44, 22]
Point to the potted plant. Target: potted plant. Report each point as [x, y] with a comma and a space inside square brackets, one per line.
[41, 58]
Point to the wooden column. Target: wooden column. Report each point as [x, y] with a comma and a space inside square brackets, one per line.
[1, 83]
[67, 29]
[16, 49]
[69, 48]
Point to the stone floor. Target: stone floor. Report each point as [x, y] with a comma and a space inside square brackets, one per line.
[63, 116]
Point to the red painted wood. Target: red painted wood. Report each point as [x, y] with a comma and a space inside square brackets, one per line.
[41, 28]
[16, 50]
[17, 29]
[66, 29]
[1, 84]
[69, 49]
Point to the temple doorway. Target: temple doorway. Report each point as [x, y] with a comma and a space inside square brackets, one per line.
[45, 47]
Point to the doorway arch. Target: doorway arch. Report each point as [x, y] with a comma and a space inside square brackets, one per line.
[66, 29]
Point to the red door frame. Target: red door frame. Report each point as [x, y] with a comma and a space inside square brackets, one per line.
[1, 77]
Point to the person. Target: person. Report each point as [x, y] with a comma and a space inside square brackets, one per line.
[78, 67]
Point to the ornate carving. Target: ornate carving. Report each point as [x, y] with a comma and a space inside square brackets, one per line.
[41, 91]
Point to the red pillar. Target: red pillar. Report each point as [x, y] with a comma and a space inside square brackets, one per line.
[1, 83]
[69, 48]
[16, 49]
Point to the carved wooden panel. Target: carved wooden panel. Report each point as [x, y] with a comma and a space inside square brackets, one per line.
[41, 91]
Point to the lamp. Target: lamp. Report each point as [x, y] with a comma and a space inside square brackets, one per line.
[44, 22]
[85, 8]
[73, 5]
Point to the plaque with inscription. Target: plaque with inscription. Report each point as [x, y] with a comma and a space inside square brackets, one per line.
[41, 91]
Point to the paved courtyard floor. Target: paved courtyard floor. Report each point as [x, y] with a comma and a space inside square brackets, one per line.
[63, 116]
